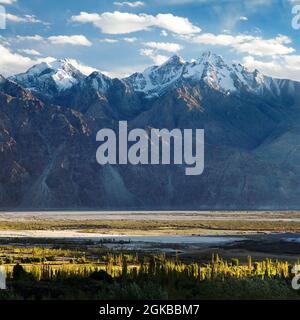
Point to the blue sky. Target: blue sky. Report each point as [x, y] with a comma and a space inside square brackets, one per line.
[121, 37]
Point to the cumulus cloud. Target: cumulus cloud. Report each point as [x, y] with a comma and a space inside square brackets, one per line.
[12, 63]
[82, 67]
[30, 38]
[249, 44]
[30, 52]
[23, 19]
[133, 4]
[262, 47]
[130, 39]
[164, 46]
[283, 67]
[243, 18]
[123, 72]
[108, 40]
[7, 1]
[158, 59]
[123, 22]
[78, 40]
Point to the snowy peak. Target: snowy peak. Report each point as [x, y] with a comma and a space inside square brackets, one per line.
[210, 69]
[50, 77]
[97, 81]
[174, 61]
[211, 58]
[222, 76]
[155, 79]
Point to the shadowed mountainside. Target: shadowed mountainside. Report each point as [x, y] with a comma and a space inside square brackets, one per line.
[49, 117]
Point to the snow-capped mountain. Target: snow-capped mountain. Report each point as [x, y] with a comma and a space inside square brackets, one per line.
[98, 81]
[155, 80]
[211, 70]
[50, 78]
[251, 125]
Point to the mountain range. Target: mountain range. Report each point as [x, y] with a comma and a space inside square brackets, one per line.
[50, 114]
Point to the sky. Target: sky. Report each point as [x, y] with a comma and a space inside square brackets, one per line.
[123, 37]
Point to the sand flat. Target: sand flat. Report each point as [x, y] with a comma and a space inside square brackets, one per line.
[151, 215]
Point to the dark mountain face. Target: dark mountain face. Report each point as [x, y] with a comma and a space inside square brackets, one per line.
[48, 147]
[100, 97]
[37, 143]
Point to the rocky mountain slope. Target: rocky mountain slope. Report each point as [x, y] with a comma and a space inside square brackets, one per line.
[49, 117]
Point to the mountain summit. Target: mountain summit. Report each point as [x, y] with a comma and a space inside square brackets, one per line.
[50, 78]
[51, 114]
[210, 69]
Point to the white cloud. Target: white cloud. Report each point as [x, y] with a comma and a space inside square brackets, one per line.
[164, 46]
[164, 33]
[133, 4]
[146, 52]
[243, 18]
[176, 24]
[4, 41]
[30, 38]
[123, 22]
[158, 59]
[82, 67]
[30, 52]
[122, 72]
[33, 19]
[108, 40]
[78, 40]
[14, 18]
[12, 63]
[220, 39]
[249, 44]
[284, 67]
[7, 1]
[131, 39]
[23, 19]
[262, 47]
[293, 61]
[72, 40]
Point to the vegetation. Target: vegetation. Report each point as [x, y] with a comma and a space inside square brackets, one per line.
[74, 274]
[86, 269]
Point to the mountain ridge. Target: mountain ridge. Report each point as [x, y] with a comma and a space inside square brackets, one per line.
[48, 147]
[209, 67]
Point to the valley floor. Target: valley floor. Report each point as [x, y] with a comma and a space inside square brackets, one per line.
[191, 234]
[41, 241]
